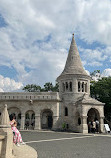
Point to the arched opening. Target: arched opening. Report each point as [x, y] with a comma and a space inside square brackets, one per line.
[66, 111]
[93, 116]
[29, 119]
[13, 111]
[66, 86]
[46, 119]
[79, 86]
[82, 86]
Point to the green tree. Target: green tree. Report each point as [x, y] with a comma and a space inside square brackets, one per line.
[32, 88]
[36, 88]
[48, 87]
[56, 88]
[101, 91]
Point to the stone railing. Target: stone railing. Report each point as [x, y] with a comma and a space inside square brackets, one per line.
[29, 96]
[6, 136]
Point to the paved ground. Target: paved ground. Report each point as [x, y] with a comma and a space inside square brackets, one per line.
[67, 145]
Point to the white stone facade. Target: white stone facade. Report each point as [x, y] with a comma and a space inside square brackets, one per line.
[71, 106]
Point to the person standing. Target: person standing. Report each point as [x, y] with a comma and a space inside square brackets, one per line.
[97, 126]
[93, 126]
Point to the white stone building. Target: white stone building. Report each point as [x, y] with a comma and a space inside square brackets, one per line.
[71, 106]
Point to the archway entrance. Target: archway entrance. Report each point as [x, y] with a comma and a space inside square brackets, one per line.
[47, 119]
[17, 114]
[93, 115]
[29, 119]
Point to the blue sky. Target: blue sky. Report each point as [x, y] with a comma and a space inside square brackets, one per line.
[35, 37]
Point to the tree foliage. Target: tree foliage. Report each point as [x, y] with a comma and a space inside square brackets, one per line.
[48, 87]
[32, 88]
[101, 91]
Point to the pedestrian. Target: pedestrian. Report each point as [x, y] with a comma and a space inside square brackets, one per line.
[89, 127]
[17, 139]
[97, 126]
[93, 126]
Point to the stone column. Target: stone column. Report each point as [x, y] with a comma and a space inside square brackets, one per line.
[5, 129]
[55, 118]
[80, 86]
[102, 124]
[84, 124]
[84, 87]
[22, 121]
[37, 122]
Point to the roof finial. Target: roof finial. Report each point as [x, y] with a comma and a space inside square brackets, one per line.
[73, 35]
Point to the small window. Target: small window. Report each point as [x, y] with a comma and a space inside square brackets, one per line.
[78, 86]
[66, 111]
[86, 87]
[79, 121]
[70, 86]
[66, 86]
[82, 86]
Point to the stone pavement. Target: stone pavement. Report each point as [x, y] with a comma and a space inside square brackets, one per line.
[24, 151]
[68, 145]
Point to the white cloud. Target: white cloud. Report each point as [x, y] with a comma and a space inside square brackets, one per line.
[25, 41]
[106, 73]
[7, 84]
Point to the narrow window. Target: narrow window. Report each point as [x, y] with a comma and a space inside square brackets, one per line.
[79, 121]
[86, 87]
[71, 86]
[66, 86]
[78, 86]
[82, 86]
[66, 111]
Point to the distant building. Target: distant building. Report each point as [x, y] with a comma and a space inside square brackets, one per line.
[71, 107]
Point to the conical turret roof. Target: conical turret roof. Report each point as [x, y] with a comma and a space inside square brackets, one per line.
[73, 64]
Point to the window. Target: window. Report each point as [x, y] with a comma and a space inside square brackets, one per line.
[82, 86]
[66, 86]
[70, 86]
[79, 121]
[66, 111]
[78, 86]
[86, 87]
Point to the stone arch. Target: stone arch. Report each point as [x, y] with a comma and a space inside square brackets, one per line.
[29, 119]
[93, 114]
[15, 111]
[46, 119]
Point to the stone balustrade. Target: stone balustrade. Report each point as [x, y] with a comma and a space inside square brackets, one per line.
[29, 96]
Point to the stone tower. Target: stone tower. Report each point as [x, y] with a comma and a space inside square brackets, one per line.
[73, 81]
[77, 107]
